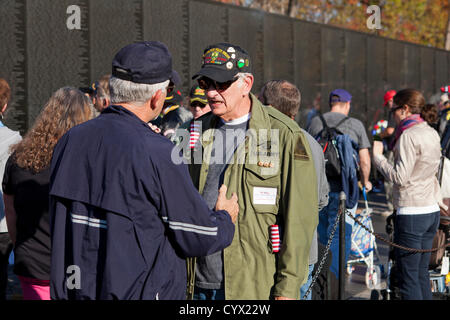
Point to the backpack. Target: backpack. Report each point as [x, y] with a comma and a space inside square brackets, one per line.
[327, 140]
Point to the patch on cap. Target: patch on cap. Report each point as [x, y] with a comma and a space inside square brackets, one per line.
[216, 56]
[222, 61]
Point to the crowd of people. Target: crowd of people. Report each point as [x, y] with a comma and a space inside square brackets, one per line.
[127, 190]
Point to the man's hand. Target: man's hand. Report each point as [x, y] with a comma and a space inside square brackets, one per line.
[368, 186]
[154, 128]
[229, 205]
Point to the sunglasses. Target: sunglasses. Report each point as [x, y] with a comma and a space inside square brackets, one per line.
[170, 88]
[206, 83]
[198, 104]
[395, 108]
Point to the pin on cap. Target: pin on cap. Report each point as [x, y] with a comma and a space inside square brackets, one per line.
[275, 238]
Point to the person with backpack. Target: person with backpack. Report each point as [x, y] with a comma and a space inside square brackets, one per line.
[341, 137]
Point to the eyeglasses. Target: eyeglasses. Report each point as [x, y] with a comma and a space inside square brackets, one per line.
[205, 83]
[395, 108]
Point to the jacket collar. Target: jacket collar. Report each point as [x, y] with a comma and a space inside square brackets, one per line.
[259, 120]
[125, 113]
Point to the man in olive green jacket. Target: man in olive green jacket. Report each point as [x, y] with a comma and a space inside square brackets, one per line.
[271, 170]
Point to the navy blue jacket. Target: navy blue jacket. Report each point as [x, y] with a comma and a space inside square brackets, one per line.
[125, 214]
[348, 154]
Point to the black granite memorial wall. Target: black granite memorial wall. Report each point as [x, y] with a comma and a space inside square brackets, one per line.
[41, 51]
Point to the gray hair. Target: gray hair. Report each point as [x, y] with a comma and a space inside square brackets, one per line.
[134, 93]
[241, 76]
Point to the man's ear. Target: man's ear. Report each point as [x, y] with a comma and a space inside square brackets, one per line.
[248, 84]
[348, 106]
[157, 98]
[105, 102]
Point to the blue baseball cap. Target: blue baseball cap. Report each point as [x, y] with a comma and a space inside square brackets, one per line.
[340, 95]
[146, 62]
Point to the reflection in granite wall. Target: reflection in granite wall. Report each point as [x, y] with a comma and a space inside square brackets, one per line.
[112, 24]
[13, 61]
[172, 28]
[56, 55]
[376, 79]
[40, 54]
[355, 74]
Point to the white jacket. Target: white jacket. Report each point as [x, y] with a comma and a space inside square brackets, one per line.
[417, 155]
[8, 137]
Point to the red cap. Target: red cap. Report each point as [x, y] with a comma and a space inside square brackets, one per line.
[445, 89]
[388, 96]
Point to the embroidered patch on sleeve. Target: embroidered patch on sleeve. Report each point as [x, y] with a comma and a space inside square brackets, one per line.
[300, 150]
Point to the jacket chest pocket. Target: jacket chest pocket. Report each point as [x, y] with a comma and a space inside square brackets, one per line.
[263, 188]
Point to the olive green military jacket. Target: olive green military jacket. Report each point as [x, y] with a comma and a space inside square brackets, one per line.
[274, 177]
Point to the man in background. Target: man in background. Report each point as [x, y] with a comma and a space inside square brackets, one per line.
[337, 117]
[285, 97]
[198, 104]
[102, 94]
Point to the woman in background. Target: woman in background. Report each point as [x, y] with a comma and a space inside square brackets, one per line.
[26, 187]
[8, 137]
[416, 193]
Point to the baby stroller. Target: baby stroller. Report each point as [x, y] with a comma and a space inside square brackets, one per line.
[364, 248]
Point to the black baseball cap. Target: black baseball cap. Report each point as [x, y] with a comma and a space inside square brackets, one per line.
[222, 61]
[146, 62]
[198, 94]
[174, 99]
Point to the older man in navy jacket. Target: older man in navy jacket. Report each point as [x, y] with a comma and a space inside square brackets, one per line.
[124, 214]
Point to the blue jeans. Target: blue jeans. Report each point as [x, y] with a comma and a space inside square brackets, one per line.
[327, 218]
[209, 294]
[305, 287]
[414, 231]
